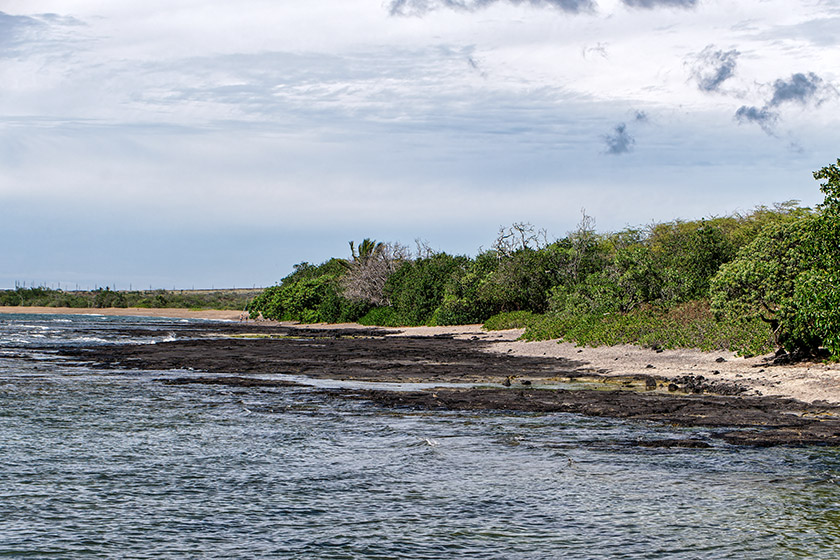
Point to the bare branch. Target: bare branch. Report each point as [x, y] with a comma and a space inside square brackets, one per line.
[367, 276]
[519, 236]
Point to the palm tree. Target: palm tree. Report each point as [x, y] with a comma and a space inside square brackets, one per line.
[368, 249]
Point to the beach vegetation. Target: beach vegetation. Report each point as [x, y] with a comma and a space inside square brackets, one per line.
[310, 294]
[368, 271]
[788, 276]
[688, 325]
[749, 282]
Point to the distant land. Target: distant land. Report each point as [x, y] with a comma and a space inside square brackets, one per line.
[233, 299]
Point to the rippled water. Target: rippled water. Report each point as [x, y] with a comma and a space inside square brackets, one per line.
[116, 464]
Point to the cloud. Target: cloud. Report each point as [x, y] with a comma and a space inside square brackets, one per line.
[821, 31]
[713, 67]
[800, 88]
[763, 117]
[650, 4]
[14, 29]
[21, 35]
[421, 7]
[620, 141]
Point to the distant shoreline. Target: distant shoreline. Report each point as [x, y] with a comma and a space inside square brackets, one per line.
[176, 313]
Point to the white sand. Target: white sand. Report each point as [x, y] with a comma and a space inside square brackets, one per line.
[807, 382]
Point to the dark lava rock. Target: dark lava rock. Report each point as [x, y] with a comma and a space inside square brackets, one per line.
[230, 381]
[365, 355]
[699, 384]
[369, 354]
[669, 443]
[762, 421]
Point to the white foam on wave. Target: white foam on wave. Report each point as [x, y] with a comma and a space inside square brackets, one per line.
[90, 339]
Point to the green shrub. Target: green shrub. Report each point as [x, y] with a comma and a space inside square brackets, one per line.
[814, 312]
[510, 320]
[691, 325]
[418, 287]
[788, 276]
[380, 317]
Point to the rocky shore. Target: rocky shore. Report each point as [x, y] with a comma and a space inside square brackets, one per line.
[247, 355]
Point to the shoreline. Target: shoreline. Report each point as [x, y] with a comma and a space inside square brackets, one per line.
[809, 382]
[465, 368]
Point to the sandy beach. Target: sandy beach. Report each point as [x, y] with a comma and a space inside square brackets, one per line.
[807, 381]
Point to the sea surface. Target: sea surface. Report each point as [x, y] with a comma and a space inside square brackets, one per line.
[116, 464]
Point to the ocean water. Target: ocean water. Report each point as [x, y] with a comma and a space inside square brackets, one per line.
[116, 464]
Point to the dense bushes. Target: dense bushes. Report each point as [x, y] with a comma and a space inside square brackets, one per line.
[741, 282]
[310, 294]
[416, 290]
[789, 275]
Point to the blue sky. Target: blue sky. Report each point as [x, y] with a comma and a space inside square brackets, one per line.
[211, 143]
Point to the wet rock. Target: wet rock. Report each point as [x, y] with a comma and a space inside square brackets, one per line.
[699, 384]
[230, 381]
[754, 421]
[367, 355]
[674, 442]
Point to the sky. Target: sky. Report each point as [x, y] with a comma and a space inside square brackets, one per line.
[208, 143]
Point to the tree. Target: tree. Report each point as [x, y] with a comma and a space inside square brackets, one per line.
[519, 236]
[368, 249]
[790, 276]
[418, 287]
[760, 281]
[369, 270]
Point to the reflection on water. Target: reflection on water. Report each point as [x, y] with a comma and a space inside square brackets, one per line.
[119, 465]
